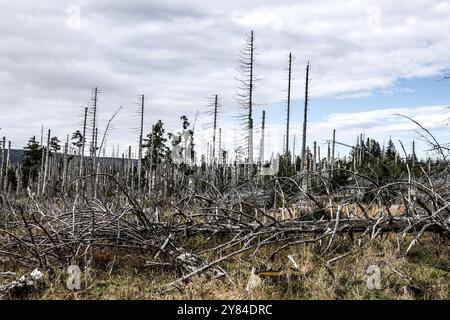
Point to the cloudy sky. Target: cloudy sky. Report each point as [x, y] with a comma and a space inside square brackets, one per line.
[369, 61]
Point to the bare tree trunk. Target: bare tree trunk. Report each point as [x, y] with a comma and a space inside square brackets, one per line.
[314, 164]
[360, 149]
[261, 145]
[83, 142]
[220, 147]
[8, 157]
[333, 145]
[128, 174]
[41, 171]
[305, 120]
[328, 155]
[47, 165]
[64, 173]
[94, 131]
[151, 161]
[141, 132]
[19, 180]
[250, 104]
[97, 170]
[214, 132]
[288, 109]
[319, 159]
[293, 153]
[2, 162]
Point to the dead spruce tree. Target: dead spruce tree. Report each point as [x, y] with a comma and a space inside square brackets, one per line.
[216, 105]
[213, 111]
[141, 132]
[83, 143]
[261, 144]
[93, 115]
[288, 105]
[246, 90]
[46, 165]
[2, 160]
[305, 120]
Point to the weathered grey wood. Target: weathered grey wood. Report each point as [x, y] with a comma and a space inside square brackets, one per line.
[305, 121]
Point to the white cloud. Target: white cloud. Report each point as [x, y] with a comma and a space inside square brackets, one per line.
[380, 124]
[179, 52]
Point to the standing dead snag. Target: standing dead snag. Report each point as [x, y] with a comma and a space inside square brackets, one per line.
[214, 133]
[47, 164]
[261, 145]
[314, 163]
[65, 159]
[305, 120]
[246, 86]
[2, 160]
[213, 110]
[94, 127]
[293, 154]
[220, 146]
[108, 127]
[141, 132]
[83, 142]
[250, 104]
[288, 107]
[333, 146]
[7, 167]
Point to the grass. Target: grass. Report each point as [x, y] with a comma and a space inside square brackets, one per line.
[423, 274]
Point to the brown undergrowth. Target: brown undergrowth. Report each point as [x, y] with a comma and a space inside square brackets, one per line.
[308, 274]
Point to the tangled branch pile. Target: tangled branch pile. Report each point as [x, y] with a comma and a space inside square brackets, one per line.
[61, 231]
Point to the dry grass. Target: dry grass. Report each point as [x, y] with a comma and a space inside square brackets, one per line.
[422, 275]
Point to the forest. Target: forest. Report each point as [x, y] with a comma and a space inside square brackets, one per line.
[169, 221]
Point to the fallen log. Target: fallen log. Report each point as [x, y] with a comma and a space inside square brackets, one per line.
[381, 225]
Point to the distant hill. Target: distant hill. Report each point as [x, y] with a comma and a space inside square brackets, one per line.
[15, 157]
[17, 154]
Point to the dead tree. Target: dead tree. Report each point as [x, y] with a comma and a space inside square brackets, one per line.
[214, 107]
[47, 164]
[288, 107]
[7, 167]
[107, 130]
[314, 164]
[214, 128]
[319, 168]
[333, 146]
[2, 161]
[246, 87]
[65, 159]
[93, 114]
[305, 121]
[261, 144]
[141, 132]
[83, 142]
[293, 154]
[220, 146]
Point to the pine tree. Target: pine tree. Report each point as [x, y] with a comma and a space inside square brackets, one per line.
[157, 151]
[31, 161]
[55, 144]
[77, 139]
[390, 152]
